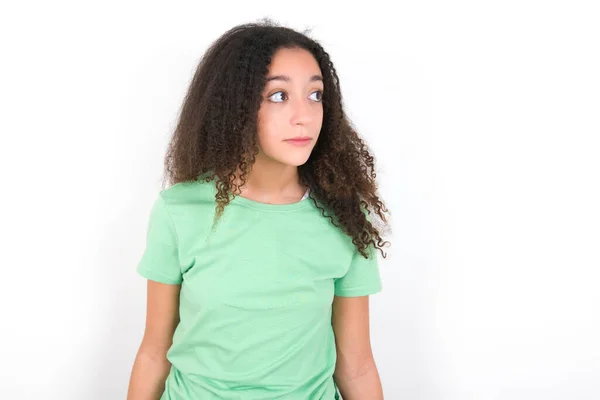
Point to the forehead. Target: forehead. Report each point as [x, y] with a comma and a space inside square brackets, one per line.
[298, 64]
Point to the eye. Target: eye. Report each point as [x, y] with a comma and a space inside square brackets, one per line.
[278, 95]
[321, 95]
[273, 95]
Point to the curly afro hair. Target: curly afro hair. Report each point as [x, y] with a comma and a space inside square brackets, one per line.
[215, 137]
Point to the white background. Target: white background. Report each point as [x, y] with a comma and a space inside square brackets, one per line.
[484, 118]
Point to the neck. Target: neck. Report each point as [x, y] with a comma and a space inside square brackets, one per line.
[271, 181]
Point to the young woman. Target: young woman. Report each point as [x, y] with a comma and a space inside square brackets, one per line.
[261, 255]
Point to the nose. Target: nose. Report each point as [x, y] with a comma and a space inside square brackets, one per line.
[302, 112]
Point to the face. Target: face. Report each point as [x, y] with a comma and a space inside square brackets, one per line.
[291, 108]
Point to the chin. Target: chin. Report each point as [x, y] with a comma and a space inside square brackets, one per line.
[291, 158]
[296, 161]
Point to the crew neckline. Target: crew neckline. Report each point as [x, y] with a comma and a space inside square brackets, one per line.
[243, 201]
[272, 207]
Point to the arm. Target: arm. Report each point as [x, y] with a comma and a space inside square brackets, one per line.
[355, 373]
[151, 366]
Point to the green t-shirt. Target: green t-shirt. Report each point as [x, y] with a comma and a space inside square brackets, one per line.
[256, 294]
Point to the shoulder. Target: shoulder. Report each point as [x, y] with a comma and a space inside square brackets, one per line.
[189, 192]
[190, 208]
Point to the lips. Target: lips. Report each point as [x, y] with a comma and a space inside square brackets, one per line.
[300, 141]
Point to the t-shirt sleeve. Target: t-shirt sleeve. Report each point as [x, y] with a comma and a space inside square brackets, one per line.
[363, 277]
[160, 260]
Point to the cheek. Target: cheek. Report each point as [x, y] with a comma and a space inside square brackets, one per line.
[269, 130]
[319, 118]
[270, 122]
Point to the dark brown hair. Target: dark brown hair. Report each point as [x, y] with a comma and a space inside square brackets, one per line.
[216, 134]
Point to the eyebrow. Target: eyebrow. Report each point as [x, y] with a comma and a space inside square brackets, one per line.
[286, 78]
